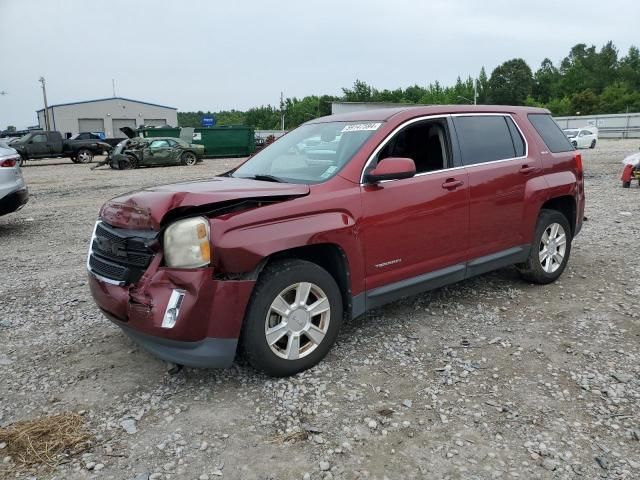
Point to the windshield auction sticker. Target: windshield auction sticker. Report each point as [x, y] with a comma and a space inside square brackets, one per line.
[361, 127]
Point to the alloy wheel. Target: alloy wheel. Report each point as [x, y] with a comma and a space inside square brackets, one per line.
[553, 247]
[297, 321]
[189, 159]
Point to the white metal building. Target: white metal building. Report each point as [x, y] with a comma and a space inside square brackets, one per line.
[621, 125]
[106, 115]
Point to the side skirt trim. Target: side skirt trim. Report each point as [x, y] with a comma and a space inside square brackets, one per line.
[436, 279]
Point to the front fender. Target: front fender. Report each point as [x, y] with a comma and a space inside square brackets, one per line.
[241, 250]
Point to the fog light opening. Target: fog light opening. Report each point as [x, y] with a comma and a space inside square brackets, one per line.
[173, 309]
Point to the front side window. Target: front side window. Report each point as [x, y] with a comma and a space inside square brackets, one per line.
[312, 153]
[39, 139]
[425, 142]
[484, 138]
[553, 137]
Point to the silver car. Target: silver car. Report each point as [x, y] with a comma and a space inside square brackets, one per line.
[13, 191]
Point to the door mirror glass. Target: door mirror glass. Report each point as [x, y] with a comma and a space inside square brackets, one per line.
[392, 168]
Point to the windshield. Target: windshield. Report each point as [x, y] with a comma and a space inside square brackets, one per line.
[571, 133]
[311, 153]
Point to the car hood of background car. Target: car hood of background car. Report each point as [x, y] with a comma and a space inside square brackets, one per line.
[147, 208]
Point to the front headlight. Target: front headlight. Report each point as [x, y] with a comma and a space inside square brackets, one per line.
[186, 243]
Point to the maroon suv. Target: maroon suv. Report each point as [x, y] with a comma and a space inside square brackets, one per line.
[344, 214]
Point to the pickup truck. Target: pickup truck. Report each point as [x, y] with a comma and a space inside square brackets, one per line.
[50, 144]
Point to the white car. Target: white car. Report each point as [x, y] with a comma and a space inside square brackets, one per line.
[585, 137]
[13, 191]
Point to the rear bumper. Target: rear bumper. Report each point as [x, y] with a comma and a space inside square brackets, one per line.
[14, 201]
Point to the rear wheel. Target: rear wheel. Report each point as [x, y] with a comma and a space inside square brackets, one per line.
[593, 144]
[188, 158]
[626, 184]
[293, 318]
[575, 144]
[84, 156]
[550, 249]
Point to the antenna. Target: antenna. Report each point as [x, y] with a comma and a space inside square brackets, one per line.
[113, 86]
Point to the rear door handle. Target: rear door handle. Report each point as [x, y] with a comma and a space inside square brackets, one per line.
[452, 183]
[526, 169]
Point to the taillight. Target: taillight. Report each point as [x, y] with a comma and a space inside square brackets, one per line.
[578, 159]
[9, 162]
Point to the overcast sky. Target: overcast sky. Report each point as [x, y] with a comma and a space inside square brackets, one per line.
[214, 55]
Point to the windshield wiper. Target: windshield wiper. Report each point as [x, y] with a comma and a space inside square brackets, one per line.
[265, 178]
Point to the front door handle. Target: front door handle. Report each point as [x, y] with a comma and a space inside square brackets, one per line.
[452, 183]
[526, 169]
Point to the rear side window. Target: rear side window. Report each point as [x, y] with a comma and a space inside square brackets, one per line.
[555, 140]
[484, 139]
[518, 141]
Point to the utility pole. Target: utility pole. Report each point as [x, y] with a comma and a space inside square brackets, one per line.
[113, 85]
[475, 91]
[46, 107]
[282, 111]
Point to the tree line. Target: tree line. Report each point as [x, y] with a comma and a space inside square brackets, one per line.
[586, 81]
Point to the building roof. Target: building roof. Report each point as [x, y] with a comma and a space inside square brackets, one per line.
[104, 99]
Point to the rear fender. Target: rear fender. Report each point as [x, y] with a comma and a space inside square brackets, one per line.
[557, 184]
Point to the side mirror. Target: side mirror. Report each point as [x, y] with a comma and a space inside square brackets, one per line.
[392, 168]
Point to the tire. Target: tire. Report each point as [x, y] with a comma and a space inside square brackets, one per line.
[188, 158]
[84, 156]
[278, 288]
[593, 144]
[537, 270]
[626, 184]
[129, 164]
[74, 160]
[21, 162]
[575, 144]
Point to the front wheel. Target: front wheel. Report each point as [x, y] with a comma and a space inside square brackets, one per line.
[550, 249]
[293, 318]
[626, 184]
[84, 156]
[188, 158]
[593, 144]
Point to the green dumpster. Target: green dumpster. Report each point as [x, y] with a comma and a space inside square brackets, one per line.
[226, 141]
[159, 132]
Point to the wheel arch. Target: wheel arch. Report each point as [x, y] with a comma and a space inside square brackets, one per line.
[565, 204]
[329, 256]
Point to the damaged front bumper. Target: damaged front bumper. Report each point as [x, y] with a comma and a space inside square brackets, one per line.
[184, 316]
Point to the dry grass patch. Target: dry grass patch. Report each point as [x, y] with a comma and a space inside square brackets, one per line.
[44, 441]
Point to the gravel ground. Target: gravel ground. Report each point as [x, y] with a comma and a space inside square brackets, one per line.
[488, 378]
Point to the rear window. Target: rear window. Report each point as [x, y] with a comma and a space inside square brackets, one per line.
[553, 137]
[484, 139]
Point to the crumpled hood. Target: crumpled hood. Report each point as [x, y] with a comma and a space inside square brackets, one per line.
[145, 209]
